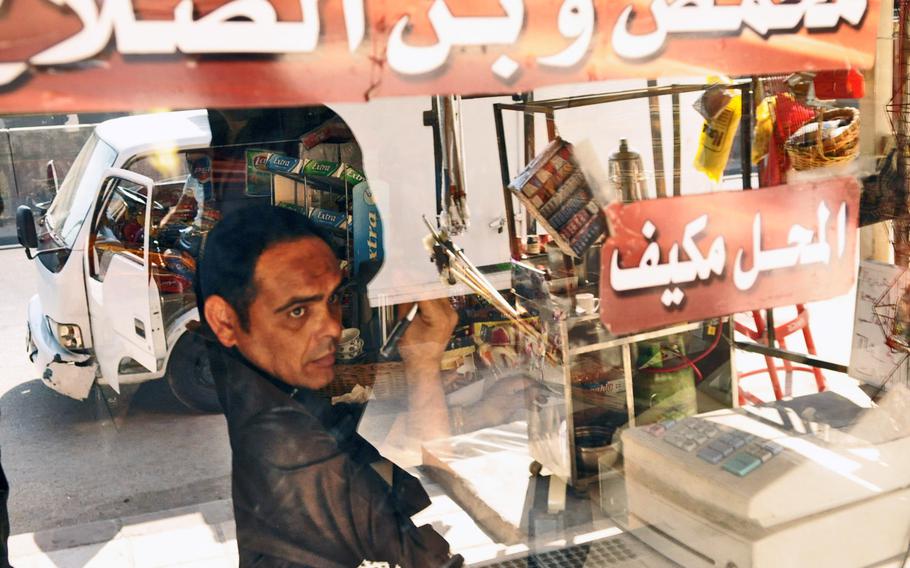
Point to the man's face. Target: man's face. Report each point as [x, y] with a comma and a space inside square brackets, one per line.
[295, 317]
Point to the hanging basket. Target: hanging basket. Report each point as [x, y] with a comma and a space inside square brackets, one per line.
[810, 148]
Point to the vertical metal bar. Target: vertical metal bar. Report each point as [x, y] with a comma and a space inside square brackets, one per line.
[769, 318]
[627, 377]
[677, 147]
[530, 148]
[570, 403]
[504, 172]
[734, 372]
[657, 142]
[551, 126]
[12, 162]
[745, 137]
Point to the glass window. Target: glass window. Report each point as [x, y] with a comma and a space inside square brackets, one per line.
[74, 199]
[121, 225]
[162, 167]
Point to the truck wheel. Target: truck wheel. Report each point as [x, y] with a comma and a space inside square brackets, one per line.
[190, 377]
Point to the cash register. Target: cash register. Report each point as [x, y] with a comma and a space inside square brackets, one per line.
[818, 480]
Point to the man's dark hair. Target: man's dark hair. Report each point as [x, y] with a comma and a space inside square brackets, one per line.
[233, 247]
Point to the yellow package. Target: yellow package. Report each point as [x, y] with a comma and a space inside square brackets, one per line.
[716, 139]
[764, 130]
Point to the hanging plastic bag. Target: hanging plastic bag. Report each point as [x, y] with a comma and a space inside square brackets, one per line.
[716, 139]
[764, 130]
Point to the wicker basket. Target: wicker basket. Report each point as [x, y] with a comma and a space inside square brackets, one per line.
[831, 151]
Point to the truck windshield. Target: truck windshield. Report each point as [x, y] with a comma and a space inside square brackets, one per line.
[77, 192]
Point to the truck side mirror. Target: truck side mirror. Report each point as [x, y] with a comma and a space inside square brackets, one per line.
[51, 181]
[25, 228]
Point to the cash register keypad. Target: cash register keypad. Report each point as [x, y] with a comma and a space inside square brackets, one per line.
[715, 443]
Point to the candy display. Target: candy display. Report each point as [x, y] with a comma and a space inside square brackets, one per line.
[555, 191]
[281, 164]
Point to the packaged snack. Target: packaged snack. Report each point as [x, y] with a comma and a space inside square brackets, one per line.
[716, 139]
[351, 175]
[564, 172]
[532, 186]
[575, 225]
[569, 188]
[568, 211]
[319, 168]
[558, 162]
[586, 237]
[282, 164]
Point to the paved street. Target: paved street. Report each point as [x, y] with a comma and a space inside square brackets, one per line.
[69, 463]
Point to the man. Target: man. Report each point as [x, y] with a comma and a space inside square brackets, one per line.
[307, 489]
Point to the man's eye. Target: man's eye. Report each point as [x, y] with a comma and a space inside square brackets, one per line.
[297, 312]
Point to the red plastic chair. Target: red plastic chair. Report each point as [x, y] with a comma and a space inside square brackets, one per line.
[799, 323]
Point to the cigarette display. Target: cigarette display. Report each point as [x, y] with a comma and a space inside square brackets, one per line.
[556, 193]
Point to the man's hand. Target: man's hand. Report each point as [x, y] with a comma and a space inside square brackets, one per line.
[505, 401]
[426, 338]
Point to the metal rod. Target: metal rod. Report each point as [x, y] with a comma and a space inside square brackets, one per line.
[634, 338]
[529, 152]
[769, 319]
[789, 356]
[745, 138]
[677, 147]
[551, 126]
[629, 382]
[550, 105]
[504, 173]
[657, 141]
[734, 374]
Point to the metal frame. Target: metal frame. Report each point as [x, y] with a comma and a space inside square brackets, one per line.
[625, 343]
[549, 107]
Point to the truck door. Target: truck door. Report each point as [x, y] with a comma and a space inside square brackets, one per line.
[124, 303]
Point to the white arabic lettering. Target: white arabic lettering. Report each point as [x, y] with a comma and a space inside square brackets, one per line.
[704, 16]
[355, 22]
[252, 26]
[576, 20]
[451, 31]
[213, 33]
[650, 273]
[9, 72]
[805, 247]
[218, 33]
[802, 250]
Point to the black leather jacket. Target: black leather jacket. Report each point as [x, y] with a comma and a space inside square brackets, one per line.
[304, 485]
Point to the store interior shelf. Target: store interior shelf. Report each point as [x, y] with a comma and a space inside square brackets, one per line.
[322, 183]
[623, 340]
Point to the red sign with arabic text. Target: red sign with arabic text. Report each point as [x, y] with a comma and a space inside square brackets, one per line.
[106, 55]
[697, 257]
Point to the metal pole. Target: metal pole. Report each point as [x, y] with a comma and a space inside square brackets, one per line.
[504, 173]
[529, 151]
[677, 148]
[745, 137]
[657, 142]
